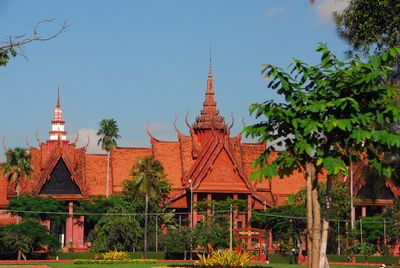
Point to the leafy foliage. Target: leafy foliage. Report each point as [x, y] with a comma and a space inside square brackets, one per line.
[340, 195]
[178, 240]
[37, 203]
[335, 113]
[372, 26]
[213, 232]
[5, 56]
[17, 166]
[116, 233]
[392, 214]
[364, 249]
[286, 230]
[372, 229]
[148, 177]
[367, 25]
[108, 133]
[225, 258]
[149, 181]
[28, 237]
[332, 112]
[100, 205]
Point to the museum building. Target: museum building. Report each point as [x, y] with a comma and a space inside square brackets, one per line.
[209, 163]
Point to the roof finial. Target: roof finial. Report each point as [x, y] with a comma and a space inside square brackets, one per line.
[58, 96]
[210, 68]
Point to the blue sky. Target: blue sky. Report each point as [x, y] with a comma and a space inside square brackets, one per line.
[147, 61]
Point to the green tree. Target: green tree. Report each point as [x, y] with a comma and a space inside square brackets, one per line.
[95, 206]
[371, 26]
[17, 166]
[392, 216]
[371, 231]
[177, 241]
[108, 136]
[119, 230]
[128, 203]
[332, 115]
[15, 241]
[28, 237]
[148, 175]
[37, 203]
[212, 232]
[285, 222]
[120, 233]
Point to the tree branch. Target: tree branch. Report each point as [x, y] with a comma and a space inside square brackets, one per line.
[20, 40]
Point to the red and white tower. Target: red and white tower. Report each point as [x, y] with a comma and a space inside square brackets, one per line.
[57, 132]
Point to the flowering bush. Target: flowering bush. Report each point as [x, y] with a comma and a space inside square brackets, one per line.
[116, 255]
[225, 258]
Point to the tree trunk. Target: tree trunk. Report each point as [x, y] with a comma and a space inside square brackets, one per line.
[17, 188]
[17, 191]
[323, 261]
[145, 226]
[310, 172]
[108, 172]
[316, 235]
[19, 255]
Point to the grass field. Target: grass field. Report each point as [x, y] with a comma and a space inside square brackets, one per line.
[71, 265]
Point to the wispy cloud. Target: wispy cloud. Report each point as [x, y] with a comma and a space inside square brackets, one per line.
[162, 131]
[158, 127]
[93, 148]
[327, 8]
[275, 11]
[88, 135]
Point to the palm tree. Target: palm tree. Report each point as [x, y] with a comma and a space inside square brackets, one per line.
[148, 173]
[17, 166]
[17, 242]
[108, 133]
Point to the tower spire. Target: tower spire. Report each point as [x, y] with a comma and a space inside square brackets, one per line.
[57, 132]
[209, 113]
[58, 97]
[210, 67]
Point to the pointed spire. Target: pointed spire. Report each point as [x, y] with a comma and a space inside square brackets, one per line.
[210, 67]
[210, 98]
[57, 132]
[210, 113]
[58, 97]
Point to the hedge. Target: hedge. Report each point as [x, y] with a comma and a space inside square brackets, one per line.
[90, 255]
[87, 261]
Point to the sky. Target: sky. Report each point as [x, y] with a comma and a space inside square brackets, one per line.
[145, 62]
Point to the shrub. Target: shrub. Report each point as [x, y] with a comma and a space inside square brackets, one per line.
[364, 249]
[225, 258]
[87, 261]
[27, 237]
[116, 255]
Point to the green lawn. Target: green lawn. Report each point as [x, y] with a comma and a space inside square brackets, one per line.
[71, 265]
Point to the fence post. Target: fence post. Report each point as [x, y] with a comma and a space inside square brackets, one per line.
[338, 230]
[230, 228]
[156, 232]
[384, 232]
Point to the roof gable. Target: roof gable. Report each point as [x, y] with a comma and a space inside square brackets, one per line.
[223, 175]
[53, 162]
[217, 165]
[60, 181]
